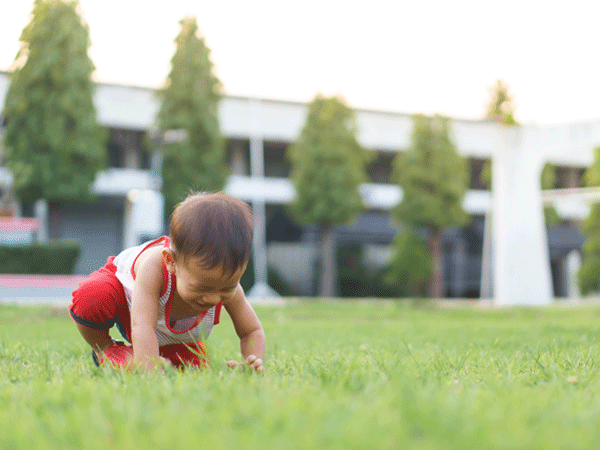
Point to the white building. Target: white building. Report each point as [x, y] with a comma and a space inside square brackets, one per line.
[258, 132]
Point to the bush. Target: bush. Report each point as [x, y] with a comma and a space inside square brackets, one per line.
[355, 280]
[52, 258]
[589, 275]
[411, 265]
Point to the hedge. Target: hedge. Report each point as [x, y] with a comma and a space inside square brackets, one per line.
[51, 258]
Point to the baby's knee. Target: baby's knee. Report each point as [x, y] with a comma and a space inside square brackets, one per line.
[96, 303]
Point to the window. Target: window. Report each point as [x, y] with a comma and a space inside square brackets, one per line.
[276, 163]
[569, 177]
[127, 149]
[476, 167]
[238, 156]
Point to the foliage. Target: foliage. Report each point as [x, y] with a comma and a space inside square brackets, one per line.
[328, 165]
[500, 107]
[327, 168]
[190, 102]
[357, 280]
[589, 272]
[434, 179]
[51, 258]
[411, 265]
[339, 375]
[53, 142]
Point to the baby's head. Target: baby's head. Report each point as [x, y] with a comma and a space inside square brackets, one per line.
[213, 228]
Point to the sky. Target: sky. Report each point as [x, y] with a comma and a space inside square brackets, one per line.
[417, 56]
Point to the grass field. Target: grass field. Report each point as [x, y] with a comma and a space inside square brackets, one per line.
[343, 375]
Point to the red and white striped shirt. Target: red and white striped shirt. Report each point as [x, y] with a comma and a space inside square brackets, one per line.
[189, 330]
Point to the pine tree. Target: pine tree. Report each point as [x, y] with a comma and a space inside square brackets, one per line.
[434, 179]
[190, 102]
[54, 146]
[327, 169]
[589, 273]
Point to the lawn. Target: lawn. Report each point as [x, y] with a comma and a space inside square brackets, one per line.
[339, 375]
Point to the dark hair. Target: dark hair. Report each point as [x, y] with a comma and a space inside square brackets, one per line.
[216, 227]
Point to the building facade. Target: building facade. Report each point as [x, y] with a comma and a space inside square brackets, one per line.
[258, 132]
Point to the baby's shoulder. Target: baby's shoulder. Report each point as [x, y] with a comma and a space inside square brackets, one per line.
[150, 261]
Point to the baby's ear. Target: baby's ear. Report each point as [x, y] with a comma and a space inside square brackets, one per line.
[169, 259]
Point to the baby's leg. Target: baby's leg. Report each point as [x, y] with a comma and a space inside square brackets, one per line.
[98, 339]
[98, 304]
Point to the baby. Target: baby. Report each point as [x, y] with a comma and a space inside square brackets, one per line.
[164, 296]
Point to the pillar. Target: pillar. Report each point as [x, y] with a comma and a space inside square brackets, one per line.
[521, 261]
[261, 288]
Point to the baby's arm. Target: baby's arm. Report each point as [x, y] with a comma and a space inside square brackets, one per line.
[248, 328]
[144, 310]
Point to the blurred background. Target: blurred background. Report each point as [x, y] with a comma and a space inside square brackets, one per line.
[361, 136]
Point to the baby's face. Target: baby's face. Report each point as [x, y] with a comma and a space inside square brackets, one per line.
[204, 288]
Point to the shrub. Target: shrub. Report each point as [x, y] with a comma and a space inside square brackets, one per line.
[52, 258]
[356, 280]
[411, 265]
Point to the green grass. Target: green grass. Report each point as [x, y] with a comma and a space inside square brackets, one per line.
[344, 375]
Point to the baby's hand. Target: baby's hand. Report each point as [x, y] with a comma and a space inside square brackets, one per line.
[255, 363]
[251, 360]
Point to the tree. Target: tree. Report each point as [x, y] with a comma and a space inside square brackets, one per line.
[434, 179]
[589, 273]
[411, 264]
[54, 146]
[190, 102]
[327, 168]
[501, 109]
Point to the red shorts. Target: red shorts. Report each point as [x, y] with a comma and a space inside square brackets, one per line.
[99, 302]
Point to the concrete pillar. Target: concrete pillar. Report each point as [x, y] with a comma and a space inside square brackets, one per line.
[487, 274]
[572, 265]
[130, 237]
[521, 261]
[156, 163]
[40, 209]
[261, 288]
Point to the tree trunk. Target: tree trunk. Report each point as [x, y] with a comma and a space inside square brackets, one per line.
[54, 219]
[436, 283]
[327, 262]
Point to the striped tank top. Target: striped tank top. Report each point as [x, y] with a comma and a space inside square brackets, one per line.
[188, 330]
